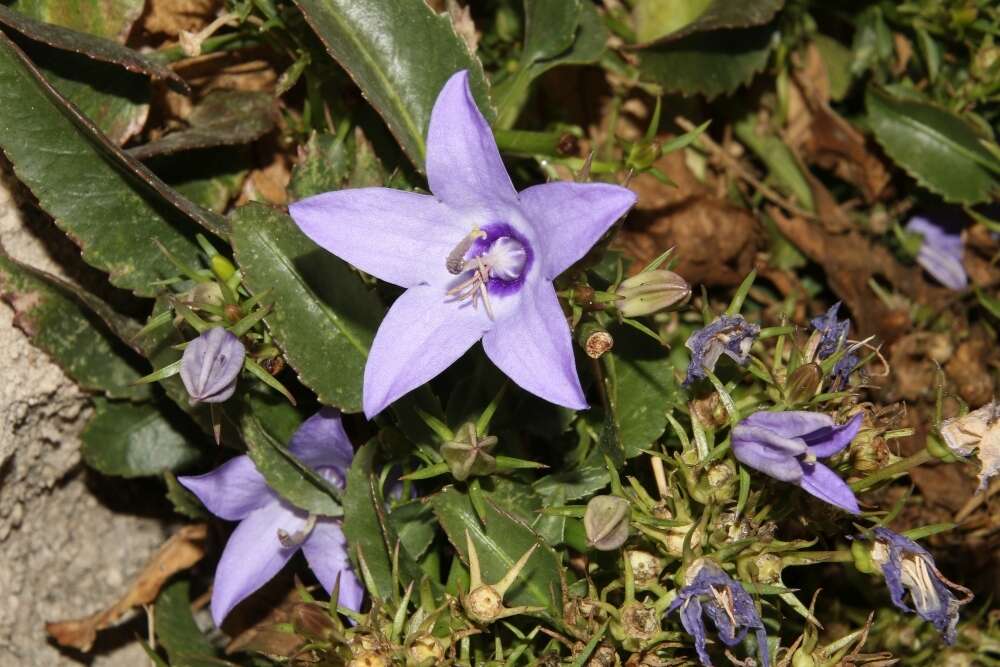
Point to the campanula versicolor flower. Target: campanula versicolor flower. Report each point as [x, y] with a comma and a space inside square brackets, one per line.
[211, 364]
[907, 566]
[786, 446]
[941, 251]
[833, 335]
[271, 530]
[730, 335]
[476, 257]
[711, 591]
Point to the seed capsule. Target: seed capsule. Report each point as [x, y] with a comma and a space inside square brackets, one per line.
[606, 522]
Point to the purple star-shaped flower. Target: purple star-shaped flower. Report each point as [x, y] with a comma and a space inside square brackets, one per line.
[833, 334]
[730, 335]
[477, 259]
[711, 591]
[271, 530]
[907, 566]
[941, 252]
[785, 446]
[211, 365]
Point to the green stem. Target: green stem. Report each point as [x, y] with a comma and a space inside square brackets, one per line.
[522, 142]
[811, 557]
[228, 42]
[918, 459]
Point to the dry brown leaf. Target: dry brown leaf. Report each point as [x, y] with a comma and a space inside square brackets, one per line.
[461, 19]
[969, 368]
[169, 17]
[183, 549]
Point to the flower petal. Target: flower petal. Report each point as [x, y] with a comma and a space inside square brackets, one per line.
[569, 218]
[783, 467]
[401, 237]
[464, 168]
[422, 334]
[211, 364]
[823, 483]
[828, 441]
[534, 348]
[326, 551]
[321, 441]
[694, 624]
[779, 444]
[252, 556]
[791, 423]
[231, 491]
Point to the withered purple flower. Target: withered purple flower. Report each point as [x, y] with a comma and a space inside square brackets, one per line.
[211, 364]
[908, 567]
[833, 335]
[477, 259]
[786, 446]
[271, 530]
[711, 591]
[941, 251]
[730, 335]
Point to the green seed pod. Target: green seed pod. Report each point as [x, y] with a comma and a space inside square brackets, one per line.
[606, 522]
[651, 292]
[468, 455]
[222, 267]
[863, 557]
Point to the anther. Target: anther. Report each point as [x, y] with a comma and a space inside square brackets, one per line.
[296, 539]
[456, 258]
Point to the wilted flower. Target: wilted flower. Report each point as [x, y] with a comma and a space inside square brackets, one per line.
[710, 590]
[211, 364]
[941, 251]
[907, 566]
[977, 431]
[728, 334]
[785, 446]
[833, 335]
[477, 259]
[271, 530]
[650, 292]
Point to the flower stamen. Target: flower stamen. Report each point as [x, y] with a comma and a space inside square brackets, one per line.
[296, 539]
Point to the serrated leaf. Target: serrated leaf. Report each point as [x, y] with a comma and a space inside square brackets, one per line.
[135, 440]
[937, 148]
[61, 324]
[177, 632]
[709, 63]
[324, 318]
[499, 544]
[670, 20]
[85, 183]
[414, 522]
[573, 484]
[400, 53]
[549, 28]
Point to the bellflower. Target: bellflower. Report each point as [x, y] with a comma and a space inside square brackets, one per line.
[730, 335]
[476, 257]
[785, 446]
[711, 591]
[907, 566]
[833, 334]
[941, 252]
[211, 364]
[271, 530]
[978, 431]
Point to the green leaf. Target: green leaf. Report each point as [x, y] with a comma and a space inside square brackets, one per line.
[325, 165]
[400, 53]
[934, 146]
[499, 544]
[61, 324]
[211, 178]
[414, 522]
[111, 19]
[85, 182]
[292, 479]
[573, 484]
[549, 28]
[709, 63]
[223, 118]
[177, 632]
[781, 162]
[661, 20]
[185, 503]
[324, 318]
[134, 440]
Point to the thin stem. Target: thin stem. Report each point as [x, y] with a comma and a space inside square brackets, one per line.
[913, 461]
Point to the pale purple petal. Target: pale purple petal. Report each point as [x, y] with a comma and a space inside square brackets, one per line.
[321, 441]
[777, 443]
[252, 556]
[827, 442]
[422, 334]
[569, 218]
[464, 168]
[783, 467]
[326, 551]
[694, 624]
[231, 491]
[534, 348]
[941, 252]
[791, 423]
[401, 237]
[824, 483]
[211, 364]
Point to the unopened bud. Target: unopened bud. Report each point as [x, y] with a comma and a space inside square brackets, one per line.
[606, 522]
[645, 567]
[651, 292]
[424, 651]
[864, 559]
[312, 621]
[803, 383]
[211, 364]
[598, 343]
[222, 267]
[468, 455]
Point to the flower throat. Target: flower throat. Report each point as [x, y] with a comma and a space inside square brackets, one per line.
[499, 259]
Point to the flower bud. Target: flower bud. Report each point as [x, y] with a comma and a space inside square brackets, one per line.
[650, 292]
[606, 522]
[863, 557]
[222, 267]
[312, 621]
[645, 567]
[468, 455]
[211, 364]
[598, 343]
[802, 384]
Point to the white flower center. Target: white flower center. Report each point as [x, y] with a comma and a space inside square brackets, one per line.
[506, 258]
